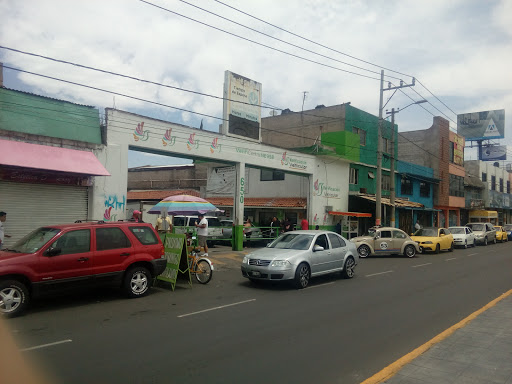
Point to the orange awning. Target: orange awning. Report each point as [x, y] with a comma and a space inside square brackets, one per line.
[353, 214]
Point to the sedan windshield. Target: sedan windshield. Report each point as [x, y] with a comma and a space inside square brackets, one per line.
[477, 227]
[457, 231]
[507, 227]
[293, 241]
[34, 240]
[429, 232]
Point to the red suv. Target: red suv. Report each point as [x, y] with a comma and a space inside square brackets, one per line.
[55, 258]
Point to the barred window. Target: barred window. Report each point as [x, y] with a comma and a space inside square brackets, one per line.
[456, 186]
[406, 186]
[424, 189]
[354, 176]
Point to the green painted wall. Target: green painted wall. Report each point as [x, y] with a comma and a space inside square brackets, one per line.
[346, 144]
[37, 115]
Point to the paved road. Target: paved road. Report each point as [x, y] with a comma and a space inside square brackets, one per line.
[231, 331]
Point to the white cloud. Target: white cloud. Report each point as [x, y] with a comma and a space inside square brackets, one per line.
[459, 49]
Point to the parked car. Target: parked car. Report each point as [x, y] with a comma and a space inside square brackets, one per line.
[252, 234]
[60, 257]
[299, 255]
[501, 234]
[508, 228]
[484, 232]
[433, 239]
[184, 224]
[385, 241]
[462, 236]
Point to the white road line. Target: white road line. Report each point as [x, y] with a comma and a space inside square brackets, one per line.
[46, 345]
[380, 273]
[453, 258]
[215, 308]
[420, 265]
[320, 285]
[472, 254]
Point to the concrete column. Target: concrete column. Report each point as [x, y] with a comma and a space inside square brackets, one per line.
[238, 214]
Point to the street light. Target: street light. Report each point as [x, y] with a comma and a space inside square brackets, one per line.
[392, 160]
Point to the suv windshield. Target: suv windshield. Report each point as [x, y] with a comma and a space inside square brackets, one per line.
[293, 241]
[34, 240]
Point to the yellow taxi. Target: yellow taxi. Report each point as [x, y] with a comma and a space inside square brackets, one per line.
[433, 239]
[501, 234]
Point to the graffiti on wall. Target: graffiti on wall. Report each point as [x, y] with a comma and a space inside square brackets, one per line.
[215, 146]
[114, 205]
[192, 142]
[140, 133]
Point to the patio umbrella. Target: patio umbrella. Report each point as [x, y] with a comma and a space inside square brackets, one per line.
[183, 205]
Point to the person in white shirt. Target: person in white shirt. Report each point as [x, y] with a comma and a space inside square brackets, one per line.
[202, 233]
[3, 217]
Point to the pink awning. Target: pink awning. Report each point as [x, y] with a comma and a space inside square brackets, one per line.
[20, 154]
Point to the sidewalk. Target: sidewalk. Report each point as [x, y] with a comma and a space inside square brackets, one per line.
[223, 257]
[477, 353]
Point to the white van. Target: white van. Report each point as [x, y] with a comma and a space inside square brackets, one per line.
[183, 224]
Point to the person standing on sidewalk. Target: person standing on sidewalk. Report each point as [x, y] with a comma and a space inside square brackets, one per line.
[3, 217]
[202, 233]
[304, 224]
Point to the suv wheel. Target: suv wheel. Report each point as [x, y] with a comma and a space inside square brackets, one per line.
[137, 281]
[14, 298]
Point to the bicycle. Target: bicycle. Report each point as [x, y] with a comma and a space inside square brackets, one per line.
[199, 266]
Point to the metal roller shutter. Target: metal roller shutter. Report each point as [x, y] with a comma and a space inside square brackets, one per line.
[30, 206]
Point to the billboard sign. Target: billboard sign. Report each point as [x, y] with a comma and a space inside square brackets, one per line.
[242, 107]
[482, 125]
[493, 153]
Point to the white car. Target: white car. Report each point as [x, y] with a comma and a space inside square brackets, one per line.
[463, 236]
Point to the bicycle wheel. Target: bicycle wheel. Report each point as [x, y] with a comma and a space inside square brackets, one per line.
[203, 272]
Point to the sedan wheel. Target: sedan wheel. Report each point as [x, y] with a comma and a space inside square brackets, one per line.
[410, 251]
[485, 241]
[451, 248]
[348, 270]
[363, 251]
[302, 275]
[438, 248]
[466, 244]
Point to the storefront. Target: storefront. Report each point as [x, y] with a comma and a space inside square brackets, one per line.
[483, 216]
[43, 185]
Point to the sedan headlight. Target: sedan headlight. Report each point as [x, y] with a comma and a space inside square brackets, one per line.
[245, 260]
[280, 263]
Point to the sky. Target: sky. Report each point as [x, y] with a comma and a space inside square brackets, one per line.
[458, 51]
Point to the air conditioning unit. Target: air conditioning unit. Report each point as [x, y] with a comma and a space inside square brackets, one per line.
[328, 208]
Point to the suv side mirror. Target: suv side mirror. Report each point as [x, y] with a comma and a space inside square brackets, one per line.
[52, 252]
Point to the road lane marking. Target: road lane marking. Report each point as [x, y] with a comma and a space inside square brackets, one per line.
[453, 258]
[472, 254]
[320, 285]
[392, 369]
[420, 265]
[380, 273]
[46, 345]
[215, 308]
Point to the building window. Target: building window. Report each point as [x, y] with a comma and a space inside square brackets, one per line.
[362, 135]
[508, 186]
[354, 176]
[386, 182]
[484, 176]
[501, 185]
[406, 186]
[271, 175]
[386, 145]
[493, 183]
[424, 189]
[452, 152]
[456, 186]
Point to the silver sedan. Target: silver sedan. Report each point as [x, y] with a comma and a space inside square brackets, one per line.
[299, 255]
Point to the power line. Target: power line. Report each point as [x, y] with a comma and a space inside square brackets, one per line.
[257, 43]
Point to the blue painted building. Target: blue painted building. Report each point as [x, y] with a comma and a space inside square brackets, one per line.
[416, 184]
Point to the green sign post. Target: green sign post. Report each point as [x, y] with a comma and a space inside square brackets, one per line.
[177, 260]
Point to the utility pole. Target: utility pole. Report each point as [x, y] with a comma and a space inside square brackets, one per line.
[392, 170]
[378, 191]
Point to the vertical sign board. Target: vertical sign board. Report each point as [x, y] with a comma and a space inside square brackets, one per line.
[242, 107]
[176, 255]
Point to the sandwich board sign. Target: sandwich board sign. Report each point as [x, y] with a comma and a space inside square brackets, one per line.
[177, 260]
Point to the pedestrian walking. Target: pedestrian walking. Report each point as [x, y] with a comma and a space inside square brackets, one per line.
[202, 233]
